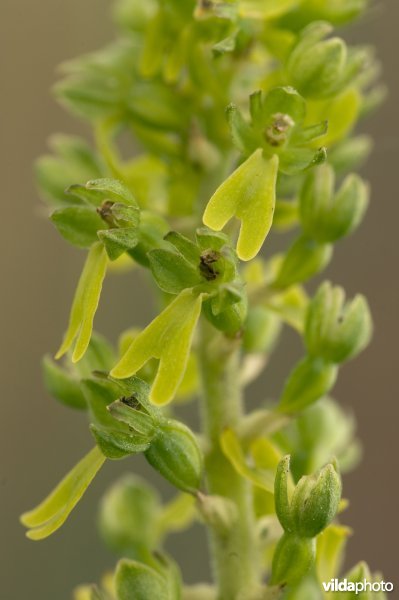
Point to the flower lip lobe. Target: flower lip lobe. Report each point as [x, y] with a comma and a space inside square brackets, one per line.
[249, 194]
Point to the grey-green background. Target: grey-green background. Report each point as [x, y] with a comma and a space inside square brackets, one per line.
[40, 440]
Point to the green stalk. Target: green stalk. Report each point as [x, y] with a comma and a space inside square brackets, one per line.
[234, 553]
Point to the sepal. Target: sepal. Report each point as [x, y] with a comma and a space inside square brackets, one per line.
[292, 559]
[315, 501]
[78, 225]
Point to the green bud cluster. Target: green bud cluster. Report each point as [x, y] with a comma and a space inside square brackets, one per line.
[312, 507]
[320, 68]
[334, 333]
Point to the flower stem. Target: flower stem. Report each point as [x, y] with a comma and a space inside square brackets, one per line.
[234, 553]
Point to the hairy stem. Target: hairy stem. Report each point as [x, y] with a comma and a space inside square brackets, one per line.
[234, 553]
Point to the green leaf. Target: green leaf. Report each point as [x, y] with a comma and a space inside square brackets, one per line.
[50, 514]
[167, 338]
[78, 224]
[138, 581]
[85, 303]
[249, 194]
[63, 385]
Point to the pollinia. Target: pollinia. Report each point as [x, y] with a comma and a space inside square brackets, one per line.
[237, 120]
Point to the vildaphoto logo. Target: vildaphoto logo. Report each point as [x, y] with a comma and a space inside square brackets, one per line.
[336, 585]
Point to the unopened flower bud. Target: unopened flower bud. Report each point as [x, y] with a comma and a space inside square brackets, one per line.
[144, 580]
[317, 66]
[127, 516]
[326, 216]
[315, 501]
[334, 330]
[175, 454]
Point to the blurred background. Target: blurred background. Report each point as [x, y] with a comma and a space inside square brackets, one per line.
[40, 440]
